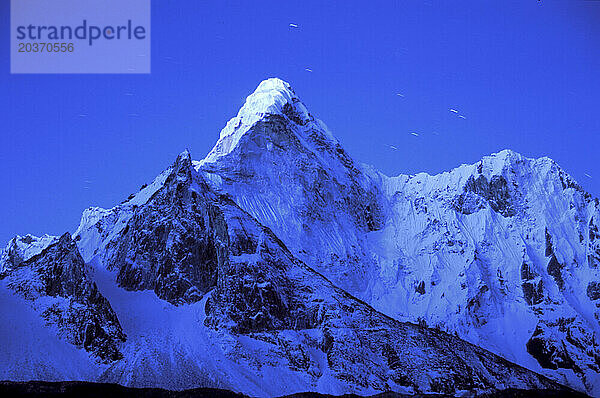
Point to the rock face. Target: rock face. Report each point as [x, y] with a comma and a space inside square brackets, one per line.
[495, 192]
[171, 244]
[503, 253]
[55, 282]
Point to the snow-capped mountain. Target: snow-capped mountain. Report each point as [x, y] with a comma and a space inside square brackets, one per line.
[241, 271]
[504, 253]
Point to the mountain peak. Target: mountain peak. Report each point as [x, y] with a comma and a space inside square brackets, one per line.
[273, 96]
[497, 162]
[184, 156]
[274, 84]
[506, 154]
[270, 97]
[22, 248]
[507, 159]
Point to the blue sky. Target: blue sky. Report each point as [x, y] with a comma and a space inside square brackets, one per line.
[525, 74]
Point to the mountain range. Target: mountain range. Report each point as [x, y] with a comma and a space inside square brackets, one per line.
[278, 264]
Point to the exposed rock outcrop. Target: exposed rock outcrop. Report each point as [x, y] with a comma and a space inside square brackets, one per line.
[56, 283]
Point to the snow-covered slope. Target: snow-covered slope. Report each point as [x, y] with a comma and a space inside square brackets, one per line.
[504, 253]
[32, 350]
